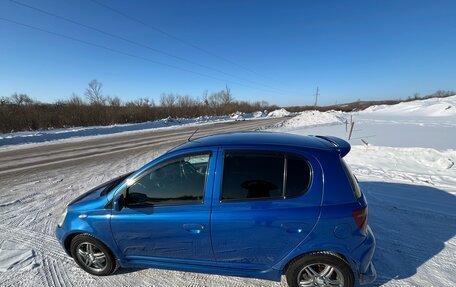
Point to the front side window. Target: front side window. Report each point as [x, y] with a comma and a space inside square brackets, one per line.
[178, 181]
[252, 176]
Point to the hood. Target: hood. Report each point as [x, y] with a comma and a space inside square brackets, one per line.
[100, 191]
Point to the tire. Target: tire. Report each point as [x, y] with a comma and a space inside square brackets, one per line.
[92, 255]
[319, 265]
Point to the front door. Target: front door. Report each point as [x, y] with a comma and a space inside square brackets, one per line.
[167, 211]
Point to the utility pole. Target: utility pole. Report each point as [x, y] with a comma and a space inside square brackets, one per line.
[316, 97]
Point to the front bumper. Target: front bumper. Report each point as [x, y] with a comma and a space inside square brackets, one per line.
[60, 234]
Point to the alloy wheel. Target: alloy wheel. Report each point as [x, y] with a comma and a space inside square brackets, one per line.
[320, 275]
[91, 256]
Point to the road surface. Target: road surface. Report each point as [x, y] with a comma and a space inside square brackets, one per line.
[66, 153]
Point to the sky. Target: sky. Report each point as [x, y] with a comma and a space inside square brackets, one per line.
[278, 51]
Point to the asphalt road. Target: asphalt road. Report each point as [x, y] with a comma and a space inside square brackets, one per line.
[54, 155]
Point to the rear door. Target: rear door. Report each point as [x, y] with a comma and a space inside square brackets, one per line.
[264, 204]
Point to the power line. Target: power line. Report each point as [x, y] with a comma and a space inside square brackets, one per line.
[121, 52]
[137, 43]
[182, 41]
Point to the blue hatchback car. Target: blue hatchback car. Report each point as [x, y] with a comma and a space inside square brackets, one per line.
[248, 204]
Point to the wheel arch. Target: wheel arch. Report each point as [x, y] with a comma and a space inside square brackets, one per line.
[71, 236]
[67, 242]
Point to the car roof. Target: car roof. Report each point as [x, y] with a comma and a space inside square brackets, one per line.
[257, 139]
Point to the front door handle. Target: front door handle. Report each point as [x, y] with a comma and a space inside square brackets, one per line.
[194, 228]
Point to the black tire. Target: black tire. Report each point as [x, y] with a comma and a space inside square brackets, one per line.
[106, 266]
[296, 267]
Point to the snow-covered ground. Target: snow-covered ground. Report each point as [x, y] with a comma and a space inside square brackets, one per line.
[406, 170]
[426, 123]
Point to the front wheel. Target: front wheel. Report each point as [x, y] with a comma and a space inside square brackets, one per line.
[92, 255]
[320, 269]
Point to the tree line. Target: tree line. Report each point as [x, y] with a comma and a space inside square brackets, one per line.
[19, 112]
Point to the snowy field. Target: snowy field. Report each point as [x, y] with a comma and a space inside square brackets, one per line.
[406, 170]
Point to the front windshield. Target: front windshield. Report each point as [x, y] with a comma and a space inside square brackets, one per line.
[113, 183]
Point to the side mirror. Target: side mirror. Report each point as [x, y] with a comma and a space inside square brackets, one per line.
[119, 203]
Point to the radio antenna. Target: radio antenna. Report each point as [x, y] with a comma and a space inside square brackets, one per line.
[190, 137]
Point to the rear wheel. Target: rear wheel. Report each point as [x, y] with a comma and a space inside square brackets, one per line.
[320, 269]
[92, 255]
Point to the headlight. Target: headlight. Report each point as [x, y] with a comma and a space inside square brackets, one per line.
[62, 216]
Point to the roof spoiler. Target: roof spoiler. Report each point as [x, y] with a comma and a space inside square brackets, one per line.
[338, 143]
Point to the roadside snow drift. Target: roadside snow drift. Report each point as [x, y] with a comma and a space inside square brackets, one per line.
[313, 118]
[279, 113]
[15, 138]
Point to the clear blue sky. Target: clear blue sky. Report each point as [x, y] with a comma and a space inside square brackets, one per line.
[350, 49]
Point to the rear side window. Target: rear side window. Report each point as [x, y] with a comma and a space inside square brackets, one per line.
[352, 179]
[263, 175]
[252, 176]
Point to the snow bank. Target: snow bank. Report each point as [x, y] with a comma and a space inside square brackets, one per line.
[237, 116]
[435, 107]
[313, 118]
[260, 114]
[279, 113]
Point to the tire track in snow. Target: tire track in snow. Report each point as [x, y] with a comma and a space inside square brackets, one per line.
[41, 242]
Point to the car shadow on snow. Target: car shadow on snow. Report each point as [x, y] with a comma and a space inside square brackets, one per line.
[411, 224]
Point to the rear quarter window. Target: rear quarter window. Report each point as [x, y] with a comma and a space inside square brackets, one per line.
[298, 176]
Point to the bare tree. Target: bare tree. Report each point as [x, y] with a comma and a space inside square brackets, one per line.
[226, 96]
[145, 102]
[21, 99]
[185, 101]
[264, 104]
[94, 93]
[75, 100]
[113, 101]
[204, 98]
[167, 100]
[4, 101]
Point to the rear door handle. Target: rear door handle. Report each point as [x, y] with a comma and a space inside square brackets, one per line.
[295, 227]
[194, 228]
